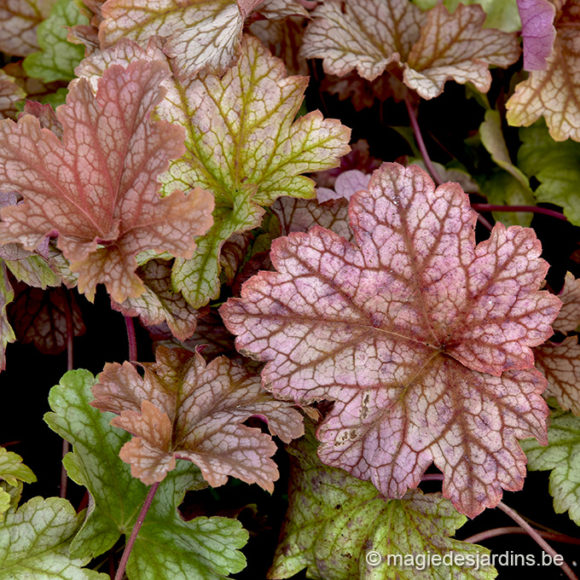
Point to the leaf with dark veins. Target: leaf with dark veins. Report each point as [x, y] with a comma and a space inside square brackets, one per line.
[97, 187]
[421, 338]
[569, 317]
[184, 408]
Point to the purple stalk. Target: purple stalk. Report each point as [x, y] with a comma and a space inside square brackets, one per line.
[530, 208]
[135, 532]
[482, 536]
[131, 338]
[421, 144]
[535, 535]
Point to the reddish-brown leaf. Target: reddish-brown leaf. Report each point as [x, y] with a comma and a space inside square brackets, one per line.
[184, 408]
[97, 187]
[421, 338]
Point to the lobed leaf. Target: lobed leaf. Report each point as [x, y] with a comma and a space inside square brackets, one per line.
[556, 166]
[167, 547]
[160, 303]
[562, 457]
[18, 22]
[554, 91]
[253, 152]
[420, 337]
[93, 187]
[57, 57]
[424, 49]
[335, 520]
[569, 317]
[186, 409]
[35, 540]
[560, 363]
[41, 317]
[13, 473]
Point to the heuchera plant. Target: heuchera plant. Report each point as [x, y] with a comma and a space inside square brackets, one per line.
[343, 239]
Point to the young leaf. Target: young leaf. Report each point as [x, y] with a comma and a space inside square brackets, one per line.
[189, 410]
[554, 92]
[556, 166]
[424, 49]
[57, 57]
[35, 540]
[334, 520]
[420, 337]
[538, 32]
[167, 547]
[18, 22]
[160, 303]
[97, 187]
[13, 472]
[562, 456]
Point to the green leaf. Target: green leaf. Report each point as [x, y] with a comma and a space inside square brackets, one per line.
[6, 296]
[556, 165]
[167, 546]
[33, 271]
[501, 188]
[562, 456]
[35, 540]
[13, 472]
[254, 151]
[57, 58]
[501, 14]
[336, 524]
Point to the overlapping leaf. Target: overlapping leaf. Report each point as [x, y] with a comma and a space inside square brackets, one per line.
[424, 49]
[42, 317]
[420, 337]
[511, 186]
[18, 22]
[97, 187]
[554, 92]
[538, 32]
[191, 410]
[560, 362]
[57, 57]
[335, 520]
[556, 166]
[243, 145]
[562, 456]
[167, 547]
[12, 474]
[35, 541]
[501, 14]
[160, 303]
[198, 34]
[10, 94]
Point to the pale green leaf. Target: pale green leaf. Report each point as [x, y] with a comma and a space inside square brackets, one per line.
[33, 271]
[57, 57]
[501, 188]
[501, 14]
[167, 547]
[12, 469]
[562, 456]
[35, 540]
[341, 528]
[556, 165]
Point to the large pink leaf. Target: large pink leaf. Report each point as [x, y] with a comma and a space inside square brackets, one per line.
[538, 31]
[420, 337]
[97, 187]
[185, 408]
